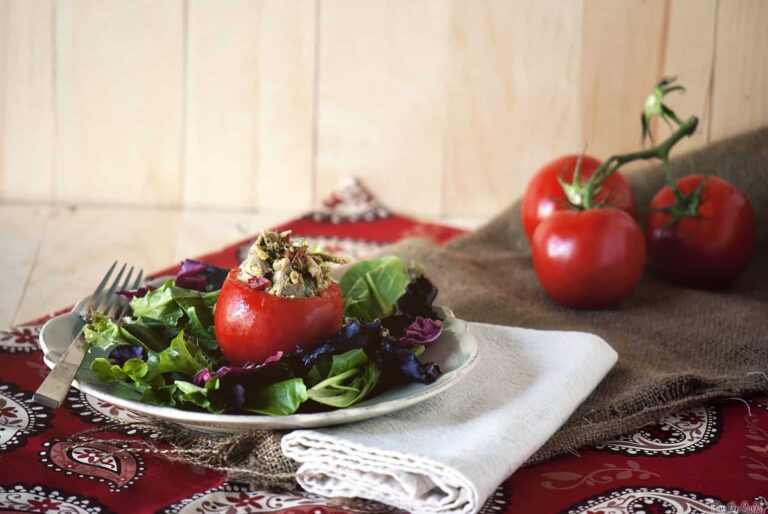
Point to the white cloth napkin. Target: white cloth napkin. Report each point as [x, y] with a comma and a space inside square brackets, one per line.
[449, 453]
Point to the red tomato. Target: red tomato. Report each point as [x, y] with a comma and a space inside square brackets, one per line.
[710, 250]
[252, 325]
[589, 259]
[544, 195]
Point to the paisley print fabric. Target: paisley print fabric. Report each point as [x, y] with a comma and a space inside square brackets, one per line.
[709, 459]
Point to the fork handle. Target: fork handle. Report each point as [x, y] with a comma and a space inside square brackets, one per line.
[54, 388]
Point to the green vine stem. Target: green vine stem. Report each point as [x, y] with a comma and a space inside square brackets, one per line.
[581, 194]
[660, 151]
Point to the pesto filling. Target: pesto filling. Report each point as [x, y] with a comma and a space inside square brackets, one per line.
[285, 267]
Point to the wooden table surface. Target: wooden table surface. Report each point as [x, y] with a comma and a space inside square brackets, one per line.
[53, 256]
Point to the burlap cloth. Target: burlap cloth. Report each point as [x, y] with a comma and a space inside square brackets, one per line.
[677, 347]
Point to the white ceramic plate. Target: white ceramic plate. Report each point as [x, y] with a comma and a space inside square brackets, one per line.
[455, 352]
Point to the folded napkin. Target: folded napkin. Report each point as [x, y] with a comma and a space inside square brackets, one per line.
[449, 453]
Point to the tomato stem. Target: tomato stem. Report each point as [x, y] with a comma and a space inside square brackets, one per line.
[679, 197]
[660, 151]
[582, 195]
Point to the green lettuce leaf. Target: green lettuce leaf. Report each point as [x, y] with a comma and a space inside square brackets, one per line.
[278, 399]
[106, 371]
[143, 334]
[190, 298]
[200, 326]
[136, 369]
[371, 288]
[104, 333]
[350, 379]
[161, 314]
[190, 395]
[159, 305]
[346, 361]
[160, 394]
[182, 356]
[175, 327]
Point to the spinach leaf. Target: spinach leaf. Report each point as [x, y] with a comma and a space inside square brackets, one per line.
[346, 361]
[278, 399]
[351, 377]
[371, 288]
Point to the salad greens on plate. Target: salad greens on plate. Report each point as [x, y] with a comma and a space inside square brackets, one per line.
[166, 352]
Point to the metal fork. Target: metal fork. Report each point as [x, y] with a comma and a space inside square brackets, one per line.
[54, 388]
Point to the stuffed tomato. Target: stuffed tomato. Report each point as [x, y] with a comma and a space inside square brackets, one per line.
[280, 298]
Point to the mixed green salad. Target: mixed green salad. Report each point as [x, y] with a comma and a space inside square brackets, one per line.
[166, 351]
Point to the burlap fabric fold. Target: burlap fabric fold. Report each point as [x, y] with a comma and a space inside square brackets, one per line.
[677, 347]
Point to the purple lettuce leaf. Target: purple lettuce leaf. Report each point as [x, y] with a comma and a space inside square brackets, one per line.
[237, 395]
[247, 368]
[125, 352]
[355, 334]
[135, 293]
[417, 300]
[202, 377]
[199, 276]
[398, 363]
[423, 331]
[402, 365]
[237, 380]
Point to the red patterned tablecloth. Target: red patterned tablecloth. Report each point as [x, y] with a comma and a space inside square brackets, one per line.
[709, 459]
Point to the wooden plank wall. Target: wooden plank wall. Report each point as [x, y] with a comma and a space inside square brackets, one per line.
[440, 106]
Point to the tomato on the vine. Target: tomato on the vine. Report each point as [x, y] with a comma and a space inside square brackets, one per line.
[252, 325]
[544, 194]
[589, 259]
[707, 243]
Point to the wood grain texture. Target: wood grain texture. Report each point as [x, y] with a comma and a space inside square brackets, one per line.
[82, 243]
[250, 82]
[623, 46]
[22, 230]
[511, 107]
[440, 106]
[221, 147]
[381, 110]
[689, 54]
[119, 101]
[740, 87]
[221, 136]
[287, 75]
[26, 99]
